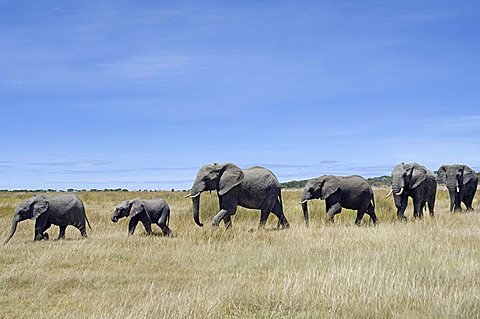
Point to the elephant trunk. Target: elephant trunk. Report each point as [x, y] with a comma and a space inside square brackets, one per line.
[305, 211]
[398, 186]
[452, 200]
[196, 210]
[452, 187]
[14, 228]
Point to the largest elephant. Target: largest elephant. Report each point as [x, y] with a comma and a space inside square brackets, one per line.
[462, 182]
[254, 188]
[60, 210]
[415, 181]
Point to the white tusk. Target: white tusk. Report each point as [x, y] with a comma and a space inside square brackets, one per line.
[391, 191]
[192, 196]
[445, 189]
[458, 189]
[303, 202]
[400, 192]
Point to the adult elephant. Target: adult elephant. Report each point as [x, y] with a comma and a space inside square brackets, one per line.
[351, 192]
[415, 181]
[148, 212]
[254, 188]
[60, 210]
[461, 182]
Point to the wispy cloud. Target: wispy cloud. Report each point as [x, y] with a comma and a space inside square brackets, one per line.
[86, 162]
[125, 170]
[455, 123]
[118, 182]
[148, 67]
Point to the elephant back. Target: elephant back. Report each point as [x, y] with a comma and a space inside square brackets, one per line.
[260, 177]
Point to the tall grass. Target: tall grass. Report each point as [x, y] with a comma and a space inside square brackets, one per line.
[422, 269]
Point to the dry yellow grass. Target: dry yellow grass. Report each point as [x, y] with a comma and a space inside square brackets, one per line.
[422, 269]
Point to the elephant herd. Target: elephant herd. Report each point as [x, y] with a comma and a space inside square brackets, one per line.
[258, 188]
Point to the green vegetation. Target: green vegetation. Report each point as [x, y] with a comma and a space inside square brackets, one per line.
[382, 181]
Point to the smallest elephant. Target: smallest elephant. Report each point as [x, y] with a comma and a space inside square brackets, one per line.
[155, 211]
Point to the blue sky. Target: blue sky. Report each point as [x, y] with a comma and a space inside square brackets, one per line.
[139, 94]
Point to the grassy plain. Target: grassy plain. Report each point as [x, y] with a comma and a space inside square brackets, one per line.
[418, 269]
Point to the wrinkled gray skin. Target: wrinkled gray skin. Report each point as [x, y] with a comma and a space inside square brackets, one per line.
[60, 210]
[415, 181]
[254, 188]
[155, 211]
[350, 192]
[461, 182]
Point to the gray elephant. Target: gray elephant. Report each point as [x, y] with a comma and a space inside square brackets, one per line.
[350, 192]
[415, 181]
[154, 211]
[254, 188]
[60, 210]
[462, 182]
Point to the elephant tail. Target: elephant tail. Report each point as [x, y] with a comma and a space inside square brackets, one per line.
[88, 223]
[168, 218]
[280, 199]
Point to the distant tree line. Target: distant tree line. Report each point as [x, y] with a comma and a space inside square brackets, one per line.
[73, 190]
[380, 181]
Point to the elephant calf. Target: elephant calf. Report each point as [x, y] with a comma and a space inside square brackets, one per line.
[155, 211]
[351, 192]
[60, 210]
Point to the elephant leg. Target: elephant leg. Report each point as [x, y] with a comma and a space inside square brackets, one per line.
[401, 207]
[467, 200]
[61, 234]
[431, 207]
[146, 221]
[360, 214]
[41, 225]
[278, 211]
[371, 213]
[417, 208]
[264, 212]
[228, 221]
[44, 234]
[132, 225]
[162, 223]
[332, 210]
[223, 213]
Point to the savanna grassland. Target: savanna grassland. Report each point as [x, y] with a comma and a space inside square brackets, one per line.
[418, 269]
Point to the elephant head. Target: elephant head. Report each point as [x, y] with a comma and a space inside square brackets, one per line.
[321, 187]
[455, 178]
[31, 208]
[219, 177]
[407, 176]
[128, 208]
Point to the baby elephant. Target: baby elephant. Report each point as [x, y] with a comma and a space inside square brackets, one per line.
[351, 192]
[60, 210]
[155, 211]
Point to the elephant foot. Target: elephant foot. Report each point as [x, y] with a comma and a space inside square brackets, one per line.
[287, 226]
[45, 236]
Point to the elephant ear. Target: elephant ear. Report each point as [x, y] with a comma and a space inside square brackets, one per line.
[442, 172]
[330, 185]
[137, 207]
[468, 174]
[418, 176]
[40, 206]
[232, 176]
